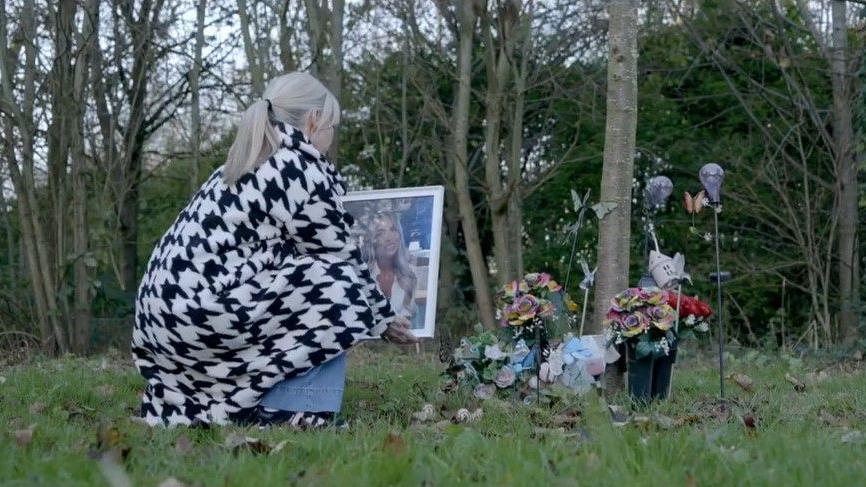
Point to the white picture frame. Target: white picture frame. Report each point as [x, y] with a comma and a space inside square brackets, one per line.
[409, 221]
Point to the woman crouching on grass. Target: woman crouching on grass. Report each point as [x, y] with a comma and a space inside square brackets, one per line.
[253, 296]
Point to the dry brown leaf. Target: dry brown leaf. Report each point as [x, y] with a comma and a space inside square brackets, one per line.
[279, 446]
[749, 420]
[182, 445]
[663, 422]
[394, 443]
[238, 442]
[743, 380]
[25, 436]
[568, 420]
[830, 419]
[688, 420]
[799, 385]
[37, 408]
[105, 390]
[427, 413]
[690, 481]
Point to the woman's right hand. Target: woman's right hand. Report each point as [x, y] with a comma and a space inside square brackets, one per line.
[398, 332]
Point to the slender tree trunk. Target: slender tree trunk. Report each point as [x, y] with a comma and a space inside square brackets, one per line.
[287, 53]
[195, 89]
[256, 74]
[477, 266]
[515, 159]
[81, 316]
[130, 168]
[43, 274]
[846, 173]
[614, 236]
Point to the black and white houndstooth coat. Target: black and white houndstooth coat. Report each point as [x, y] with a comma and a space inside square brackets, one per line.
[253, 283]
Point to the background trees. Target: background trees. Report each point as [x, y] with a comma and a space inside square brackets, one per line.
[113, 111]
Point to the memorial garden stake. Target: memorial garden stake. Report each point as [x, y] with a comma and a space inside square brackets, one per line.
[585, 284]
[580, 207]
[711, 176]
[656, 193]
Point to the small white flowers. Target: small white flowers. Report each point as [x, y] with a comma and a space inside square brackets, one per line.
[664, 345]
[708, 237]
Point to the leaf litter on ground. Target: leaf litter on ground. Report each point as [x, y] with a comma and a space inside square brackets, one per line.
[238, 442]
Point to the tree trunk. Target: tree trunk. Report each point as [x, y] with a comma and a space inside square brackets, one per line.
[846, 173]
[515, 158]
[256, 75]
[81, 315]
[477, 265]
[614, 235]
[325, 30]
[498, 54]
[195, 89]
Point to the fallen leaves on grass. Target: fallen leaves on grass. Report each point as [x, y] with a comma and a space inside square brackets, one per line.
[182, 445]
[427, 413]
[830, 419]
[799, 385]
[37, 408]
[237, 442]
[110, 451]
[110, 442]
[484, 391]
[24, 437]
[463, 415]
[394, 443]
[749, 420]
[568, 420]
[105, 390]
[742, 380]
[617, 416]
[854, 437]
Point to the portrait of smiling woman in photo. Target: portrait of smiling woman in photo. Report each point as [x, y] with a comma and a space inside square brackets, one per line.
[389, 264]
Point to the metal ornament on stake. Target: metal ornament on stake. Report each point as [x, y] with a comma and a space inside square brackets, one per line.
[711, 176]
[580, 206]
[585, 284]
[656, 193]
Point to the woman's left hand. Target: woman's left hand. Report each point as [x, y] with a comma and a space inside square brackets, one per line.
[399, 331]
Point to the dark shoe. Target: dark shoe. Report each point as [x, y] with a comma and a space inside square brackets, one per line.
[302, 420]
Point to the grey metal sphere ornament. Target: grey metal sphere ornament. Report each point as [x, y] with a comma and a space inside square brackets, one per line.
[712, 175]
[658, 190]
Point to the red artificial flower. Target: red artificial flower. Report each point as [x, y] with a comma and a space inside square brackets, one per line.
[689, 306]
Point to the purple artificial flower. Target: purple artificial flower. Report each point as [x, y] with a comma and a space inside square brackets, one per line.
[505, 377]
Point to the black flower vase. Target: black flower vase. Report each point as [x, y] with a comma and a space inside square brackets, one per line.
[663, 368]
[640, 376]
[649, 378]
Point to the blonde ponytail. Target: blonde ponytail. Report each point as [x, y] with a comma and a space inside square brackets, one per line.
[256, 141]
[289, 98]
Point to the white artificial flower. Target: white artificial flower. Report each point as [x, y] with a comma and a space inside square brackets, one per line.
[493, 352]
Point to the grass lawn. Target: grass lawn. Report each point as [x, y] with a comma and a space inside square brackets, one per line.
[771, 435]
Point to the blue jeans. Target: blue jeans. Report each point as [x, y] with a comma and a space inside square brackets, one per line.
[319, 390]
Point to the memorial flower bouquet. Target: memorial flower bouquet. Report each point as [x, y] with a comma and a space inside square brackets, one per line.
[527, 355]
[643, 318]
[522, 302]
[694, 313]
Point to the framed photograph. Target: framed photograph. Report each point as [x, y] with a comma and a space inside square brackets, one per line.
[399, 234]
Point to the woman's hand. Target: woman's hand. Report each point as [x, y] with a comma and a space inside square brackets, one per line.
[398, 332]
